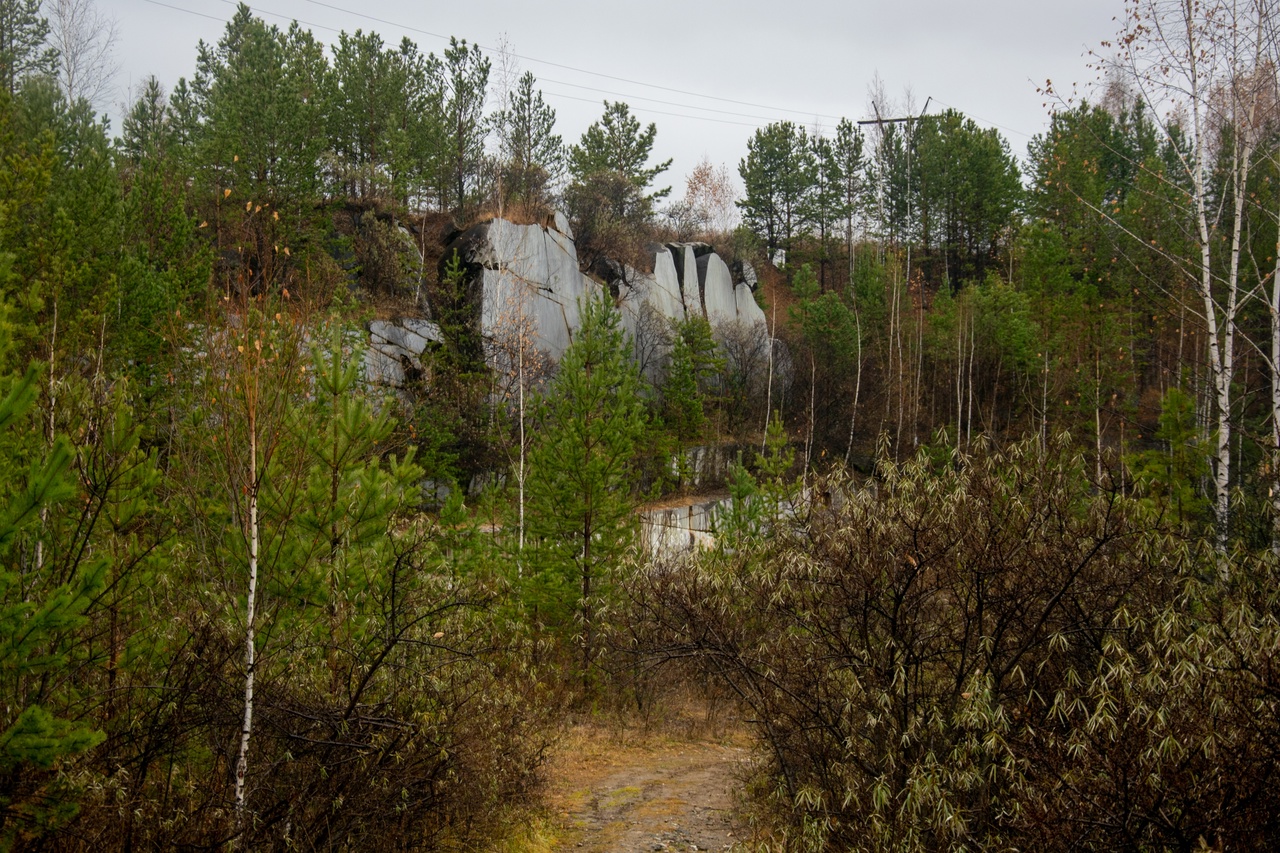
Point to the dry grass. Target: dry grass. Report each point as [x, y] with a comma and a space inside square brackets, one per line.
[606, 773]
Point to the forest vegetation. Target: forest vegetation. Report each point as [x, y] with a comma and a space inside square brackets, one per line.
[1001, 561]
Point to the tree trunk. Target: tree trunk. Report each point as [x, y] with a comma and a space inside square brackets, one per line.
[250, 647]
[1275, 395]
[857, 385]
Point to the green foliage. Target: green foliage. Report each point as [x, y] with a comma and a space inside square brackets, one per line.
[384, 117]
[1174, 475]
[609, 197]
[615, 145]
[24, 52]
[43, 600]
[762, 502]
[982, 651]
[968, 190]
[581, 471]
[533, 153]
[372, 638]
[693, 363]
[465, 75]
[910, 651]
[146, 134]
[682, 407]
[452, 424]
[256, 94]
[778, 174]
[829, 341]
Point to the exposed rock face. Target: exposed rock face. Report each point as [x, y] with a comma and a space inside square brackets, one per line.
[671, 531]
[562, 224]
[395, 350]
[527, 276]
[664, 289]
[719, 304]
[523, 275]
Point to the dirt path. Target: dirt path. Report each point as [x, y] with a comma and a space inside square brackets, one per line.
[657, 794]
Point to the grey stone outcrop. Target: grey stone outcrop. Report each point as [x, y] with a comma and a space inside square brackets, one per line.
[395, 348]
[527, 276]
[716, 286]
[671, 531]
[524, 275]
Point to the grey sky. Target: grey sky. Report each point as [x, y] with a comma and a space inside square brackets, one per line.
[810, 61]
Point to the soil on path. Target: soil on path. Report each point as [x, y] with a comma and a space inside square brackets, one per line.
[656, 793]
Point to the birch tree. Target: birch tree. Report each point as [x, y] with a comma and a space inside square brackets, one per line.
[1198, 64]
[84, 40]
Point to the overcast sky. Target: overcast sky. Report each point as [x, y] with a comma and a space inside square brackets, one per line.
[707, 72]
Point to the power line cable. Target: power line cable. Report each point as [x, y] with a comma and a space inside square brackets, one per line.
[562, 95]
[419, 30]
[188, 11]
[632, 97]
[409, 28]
[652, 100]
[647, 110]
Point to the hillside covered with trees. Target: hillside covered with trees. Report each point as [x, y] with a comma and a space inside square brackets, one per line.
[998, 564]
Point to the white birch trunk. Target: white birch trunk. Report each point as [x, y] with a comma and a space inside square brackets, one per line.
[768, 394]
[857, 386]
[250, 647]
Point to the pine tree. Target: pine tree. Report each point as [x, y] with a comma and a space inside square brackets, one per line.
[533, 153]
[848, 150]
[23, 50]
[616, 145]
[39, 610]
[778, 173]
[582, 471]
[465, 76]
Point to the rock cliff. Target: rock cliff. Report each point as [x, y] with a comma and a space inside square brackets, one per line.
[528, 276]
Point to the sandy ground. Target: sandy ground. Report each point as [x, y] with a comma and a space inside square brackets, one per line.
[612, 793]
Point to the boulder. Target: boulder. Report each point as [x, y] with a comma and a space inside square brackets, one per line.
[408, 335]
[383, 368]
